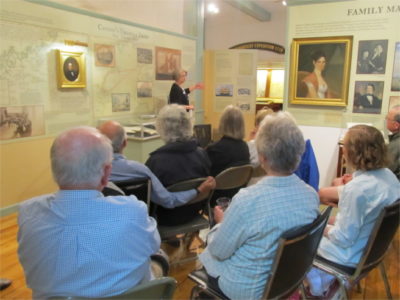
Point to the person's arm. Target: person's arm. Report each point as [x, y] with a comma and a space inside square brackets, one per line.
[312, 93]
[329, 195]
[197, 86]
[352, 209]
[231, 234]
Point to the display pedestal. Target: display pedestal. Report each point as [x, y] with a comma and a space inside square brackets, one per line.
[139, 150]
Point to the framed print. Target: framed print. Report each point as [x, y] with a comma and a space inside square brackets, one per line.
[167, 61]
[395, 87]
[104, 55]
[71, 69]
[368, 97]
[121, 102]
[319, 71]
[371, 57]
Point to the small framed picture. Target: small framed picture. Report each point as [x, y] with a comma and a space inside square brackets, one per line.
[71, 69]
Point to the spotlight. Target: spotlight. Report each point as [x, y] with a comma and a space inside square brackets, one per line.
[212, 8]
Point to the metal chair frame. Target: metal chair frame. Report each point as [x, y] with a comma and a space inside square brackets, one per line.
[374, 252]
[307, 237]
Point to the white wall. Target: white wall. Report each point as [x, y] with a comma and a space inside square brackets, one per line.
[234, 27]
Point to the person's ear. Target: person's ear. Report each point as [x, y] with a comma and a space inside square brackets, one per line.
[124, 143]
[106, 174]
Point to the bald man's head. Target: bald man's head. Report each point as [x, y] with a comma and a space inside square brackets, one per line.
[78, 158]
[116, 133]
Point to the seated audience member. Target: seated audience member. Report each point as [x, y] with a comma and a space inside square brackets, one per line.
[77, 242]
[393, 125]
[239, 255]
[123, 169]
[373, 187]
[178, 160]
[261, 114]
[230, 150]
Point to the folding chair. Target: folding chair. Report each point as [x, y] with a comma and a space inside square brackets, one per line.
[202, 132]
[141, 188]
[294, 257]
[159, 288]
[374, 252]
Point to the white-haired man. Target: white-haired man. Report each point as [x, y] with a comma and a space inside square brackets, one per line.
[76, 242]
[124, 169]
[393, 125]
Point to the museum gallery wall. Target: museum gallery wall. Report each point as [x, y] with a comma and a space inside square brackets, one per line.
[60, 68]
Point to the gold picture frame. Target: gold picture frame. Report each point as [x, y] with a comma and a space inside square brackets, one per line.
[319, 71]
[71, 69]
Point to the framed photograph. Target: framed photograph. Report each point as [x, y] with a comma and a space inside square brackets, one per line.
[167, 61]
[319, 71]
[144, 56]
[121, 102]
[144, 89]
[21, 121]
[368, 97]
[371, 57]
[104, 55]
[71, 69]
[396, 69]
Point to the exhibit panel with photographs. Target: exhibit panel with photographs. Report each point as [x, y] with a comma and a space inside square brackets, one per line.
[395, 87]
[368, 97]
[320, 70]
[371, 57]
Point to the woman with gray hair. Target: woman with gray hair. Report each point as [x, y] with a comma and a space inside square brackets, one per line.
[243, 246]
[230, 150]
[178, 94]
[178, 160]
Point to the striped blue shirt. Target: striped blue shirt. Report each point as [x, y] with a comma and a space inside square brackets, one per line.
[80, 243]
[241, 252]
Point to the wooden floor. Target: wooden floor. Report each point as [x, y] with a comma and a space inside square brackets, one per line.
[372, 286]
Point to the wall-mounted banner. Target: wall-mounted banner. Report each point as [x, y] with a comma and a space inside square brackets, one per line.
[261, 46]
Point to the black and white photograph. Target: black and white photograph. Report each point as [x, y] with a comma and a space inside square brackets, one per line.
[244, 92]
[144, 56]
[21, 121]
[368, 97]
[371, 57]
[121, 102]
[395, 87]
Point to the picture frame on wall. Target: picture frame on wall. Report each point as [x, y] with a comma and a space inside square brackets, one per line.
[167, 61]
[104, 55]
[395, 87]
[320, 70]
[368, 97]
[371, 57]
[71, 69]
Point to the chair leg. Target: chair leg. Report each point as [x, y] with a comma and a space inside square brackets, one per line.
[359, 290]
[343, 288]
[302, 291]
[385, 280]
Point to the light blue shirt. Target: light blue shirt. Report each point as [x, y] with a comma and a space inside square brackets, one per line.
[123, 169]
[362, 200]
[80, 243]
[243, 248]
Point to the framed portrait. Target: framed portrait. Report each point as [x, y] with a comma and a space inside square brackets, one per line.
[395, 87]
[71, 69]
[371, 57]
[104, 55]
[167, 61]
[319, 71]
[120, 102]
[368, 97]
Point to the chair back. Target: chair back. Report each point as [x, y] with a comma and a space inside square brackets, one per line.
[381, 236]
[188, 185]
[202, 132]
[159, 288]
[233, 177]
[294, 257]
[141, 188]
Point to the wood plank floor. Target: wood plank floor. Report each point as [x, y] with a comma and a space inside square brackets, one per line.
[372, 286]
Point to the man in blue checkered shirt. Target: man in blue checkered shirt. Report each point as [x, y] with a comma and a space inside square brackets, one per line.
[76, 242]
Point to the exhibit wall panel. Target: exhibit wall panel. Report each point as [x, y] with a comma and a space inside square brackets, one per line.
[128, 70]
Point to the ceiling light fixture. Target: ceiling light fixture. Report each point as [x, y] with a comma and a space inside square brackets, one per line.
[212, 8]
[284, 3]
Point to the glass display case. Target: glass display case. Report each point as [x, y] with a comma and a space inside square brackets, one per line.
[138, 127]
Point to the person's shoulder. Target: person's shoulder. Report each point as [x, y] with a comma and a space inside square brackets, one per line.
[127, 203]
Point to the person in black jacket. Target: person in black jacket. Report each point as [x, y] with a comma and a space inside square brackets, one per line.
[178, 160]
[231, 150]
[178, 94]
